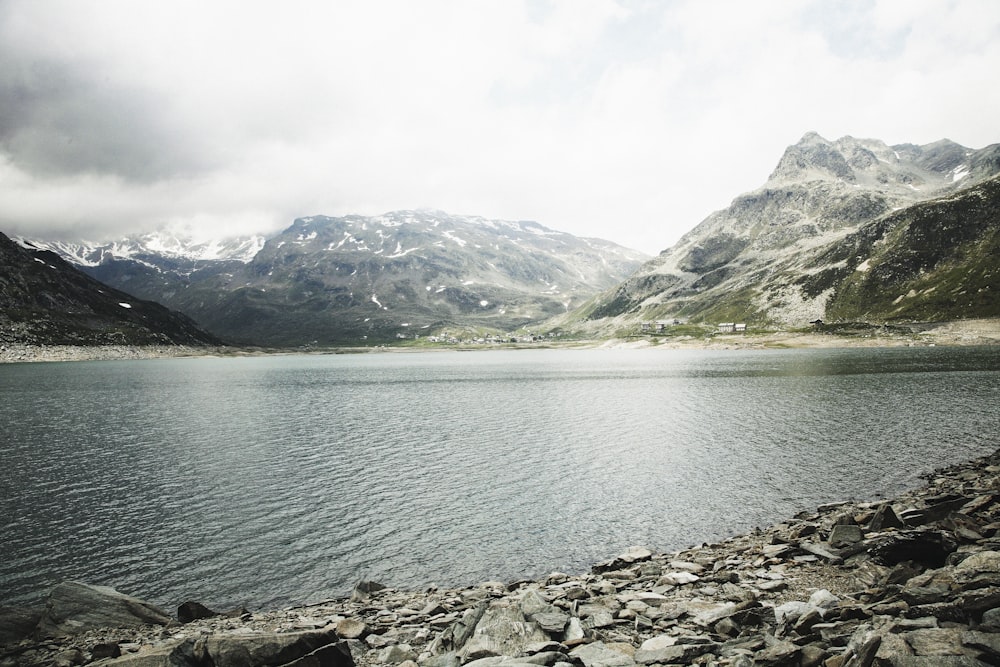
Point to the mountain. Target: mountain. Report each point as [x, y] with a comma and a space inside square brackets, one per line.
[836, 232]
[46, 301]
[358, 279]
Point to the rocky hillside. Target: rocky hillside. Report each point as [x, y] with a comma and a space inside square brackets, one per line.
[358, 279]
[841, 230]
[46, 301]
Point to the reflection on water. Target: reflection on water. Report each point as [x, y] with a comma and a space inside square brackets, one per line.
[268, 480]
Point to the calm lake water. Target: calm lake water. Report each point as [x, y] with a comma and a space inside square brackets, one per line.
[268, 481]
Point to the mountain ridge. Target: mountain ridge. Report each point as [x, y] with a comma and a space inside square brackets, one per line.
[361, 279]
[44, 300]
[750, 261]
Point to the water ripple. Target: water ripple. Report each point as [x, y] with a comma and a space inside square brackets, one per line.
[273, 480]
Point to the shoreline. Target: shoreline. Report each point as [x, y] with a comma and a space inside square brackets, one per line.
[959, 333]
[904, 581]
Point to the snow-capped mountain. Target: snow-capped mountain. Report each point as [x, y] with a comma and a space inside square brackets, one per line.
[351, 279]
[758, 260]
[45, 300]
[154, 244]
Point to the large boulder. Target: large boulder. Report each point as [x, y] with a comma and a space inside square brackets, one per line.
[17, 623]
[73, 607]
[273, 648]
[501, 631]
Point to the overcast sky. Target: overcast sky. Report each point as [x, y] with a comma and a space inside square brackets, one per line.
[629, 120]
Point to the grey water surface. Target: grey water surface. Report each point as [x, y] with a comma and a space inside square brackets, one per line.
[276, 480]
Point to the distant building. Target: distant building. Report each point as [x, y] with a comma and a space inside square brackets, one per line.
[733, 327]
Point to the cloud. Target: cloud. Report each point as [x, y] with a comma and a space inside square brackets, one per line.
[629, 120]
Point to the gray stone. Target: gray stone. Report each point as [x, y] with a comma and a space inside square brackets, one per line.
[266, 648]
[677, 653]
[574, 631]
[935, 641]
[501, 631]
[363, 590]
[845, 534]
[73, 607]
[351, 628]
[780, 652]
[17, 623]
[552, 623]
[978, 570]
[598, 654]
[884, 517]
[532, 602]
[457, 634]
[449, 659]
[601, 619]
[983, 641]
[181, 654]
[193, 611]
[105, 650]
[991, 620]
[68, 658]
[395, 654]
[707, 617]
[331, 655]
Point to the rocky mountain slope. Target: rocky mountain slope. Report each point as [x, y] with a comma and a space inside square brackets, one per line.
[358, 279]
[851, 230]
[46, 301]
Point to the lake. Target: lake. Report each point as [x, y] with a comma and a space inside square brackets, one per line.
[268, 481]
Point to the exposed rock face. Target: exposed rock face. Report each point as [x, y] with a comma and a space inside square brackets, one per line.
[837, 224]
[922, 591]
[73, 607]
[45, 301]
[357, 279]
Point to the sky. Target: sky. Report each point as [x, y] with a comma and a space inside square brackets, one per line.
[628, 120]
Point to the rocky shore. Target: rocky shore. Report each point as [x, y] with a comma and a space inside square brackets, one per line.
[21, 353]
[908, 582]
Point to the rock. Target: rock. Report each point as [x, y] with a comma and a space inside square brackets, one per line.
[395, 654]
[458, 633]
[778, 653]
[266, 648]
[351, 628]
[17, 623]
[991, 620]
[501, 631]
[574, 632]
[73, 607]
[683, 653]
[105, 650]
[599, 654]
[978, 570]
[363, 590]
[819, 550]
[68, 658]
[193, 611]
[553, 623]
[331, 655]
[884, 517]
[935, 641]
[629, 557]
[179, 654]
[679, 578]
[790, 612]
[823, 600]
[928, 547]
[988, 642]
[845, 534]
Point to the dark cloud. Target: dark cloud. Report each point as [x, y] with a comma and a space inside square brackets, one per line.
[61, 119]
